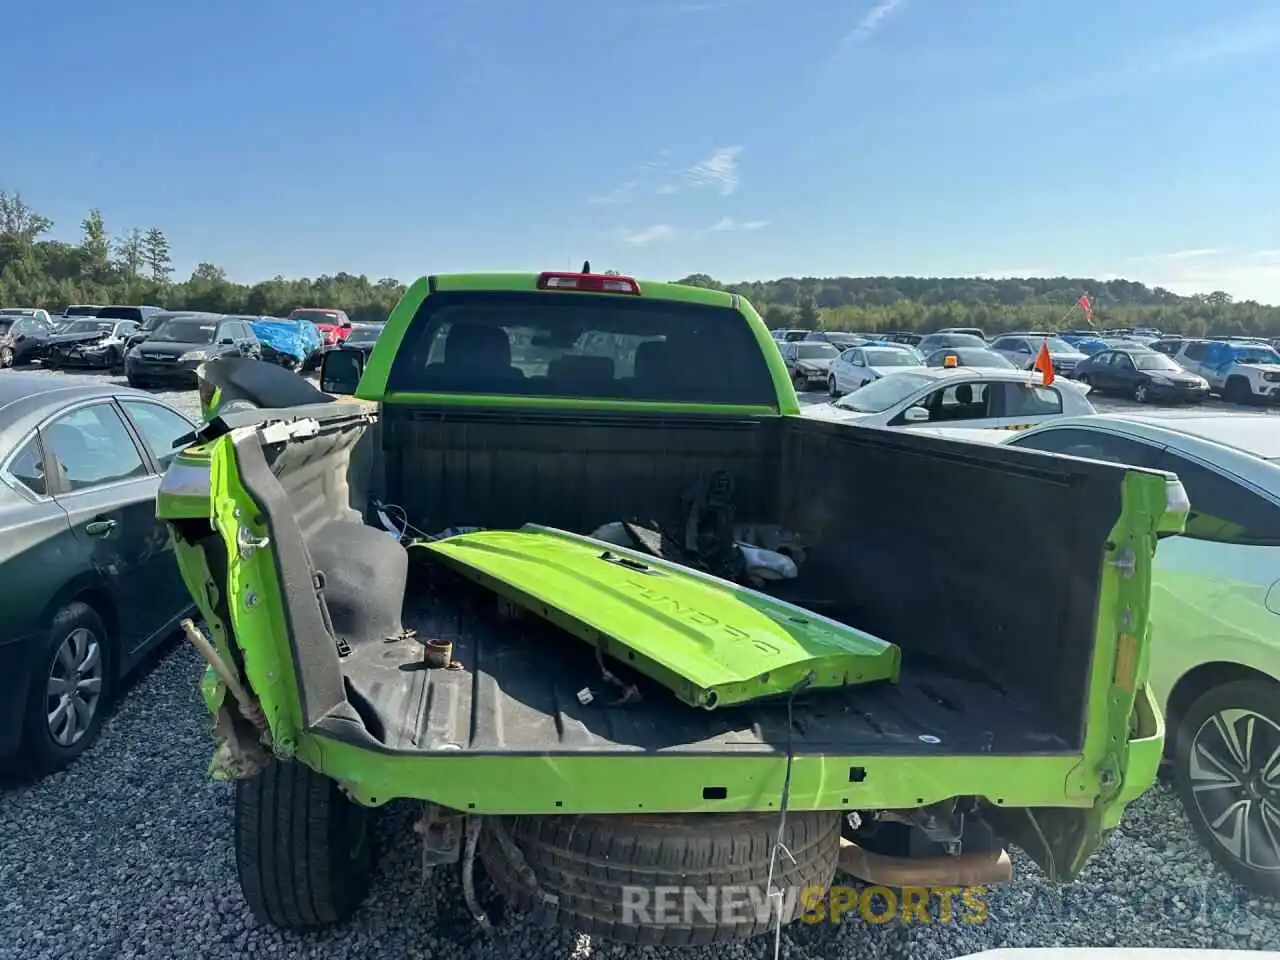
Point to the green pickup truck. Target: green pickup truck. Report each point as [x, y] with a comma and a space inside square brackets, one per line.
[408, 595]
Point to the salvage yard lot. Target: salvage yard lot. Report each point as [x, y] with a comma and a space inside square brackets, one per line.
[129, 854]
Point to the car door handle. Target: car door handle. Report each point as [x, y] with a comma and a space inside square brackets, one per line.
[100, 527]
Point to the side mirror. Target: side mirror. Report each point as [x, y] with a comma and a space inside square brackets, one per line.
[340, 371]
[915, 415]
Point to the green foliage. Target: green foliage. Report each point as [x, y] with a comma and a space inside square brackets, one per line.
[135, 266]
[870, 304]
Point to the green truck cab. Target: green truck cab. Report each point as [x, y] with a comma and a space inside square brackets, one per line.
[407, 599]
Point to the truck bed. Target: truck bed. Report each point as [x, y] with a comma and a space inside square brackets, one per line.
[503, 698]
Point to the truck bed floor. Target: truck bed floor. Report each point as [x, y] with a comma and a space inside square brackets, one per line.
[515, 686]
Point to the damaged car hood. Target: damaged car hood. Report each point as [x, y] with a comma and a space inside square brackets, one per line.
[711, 642]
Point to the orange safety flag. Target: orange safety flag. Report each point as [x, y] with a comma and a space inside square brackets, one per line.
[1086, 307]
[1044, 363]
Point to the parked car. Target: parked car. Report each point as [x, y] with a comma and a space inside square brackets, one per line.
[968, 357]
[1215, 655]
[858, 366]
[362, 338]
[36, 312]
[807, 362]
[291, 344]
[23, 336]
[87, 573]
[1241, 372]
[901, 336]
[1144, 375]
[333, 325]
[1021, 350]
[969, 397]
[81, 310]
[786, 336]
[840, 339]
[971, 331]
[948, 341]
[154, 320]
[96, 343]
[179, 345]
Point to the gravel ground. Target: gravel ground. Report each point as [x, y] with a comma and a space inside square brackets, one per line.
[128, 854]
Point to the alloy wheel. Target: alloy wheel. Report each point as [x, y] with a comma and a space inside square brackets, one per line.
[6, 357]
[1140, 393]
[74, 687]
[1234, 776]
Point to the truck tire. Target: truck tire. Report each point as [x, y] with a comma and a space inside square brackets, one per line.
[1244, 798]
[304, 851]
[586, 862]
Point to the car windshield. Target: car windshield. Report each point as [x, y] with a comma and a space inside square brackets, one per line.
[517, 343]
[815, 351]
[119, 313]
[90, 326]
[1056, 345]
[185, 331]
[81, 311]
[969, 357]
[955, 340]
[880, 395]
[316, 316]
[363, 335]
[1153, 361]
[888, 357]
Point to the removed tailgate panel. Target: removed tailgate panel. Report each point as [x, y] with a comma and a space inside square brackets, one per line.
[711, 642]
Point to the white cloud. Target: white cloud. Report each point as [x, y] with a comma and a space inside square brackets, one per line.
[619, 194]
[866, 28]
[1198, 253]
[720, 170]
[1176, 55]
[1249, 278]
[657, 233]
[726, 224]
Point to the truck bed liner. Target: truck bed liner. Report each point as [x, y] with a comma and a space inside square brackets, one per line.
[515, 692]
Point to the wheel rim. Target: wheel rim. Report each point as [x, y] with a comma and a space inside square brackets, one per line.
[1141, 393]
[6, 357]
[74, 687]
[1234, 773]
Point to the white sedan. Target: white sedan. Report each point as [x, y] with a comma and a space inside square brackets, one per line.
[970, 397]
[858, 366]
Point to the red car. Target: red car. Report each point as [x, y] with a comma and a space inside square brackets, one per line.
[334, 325]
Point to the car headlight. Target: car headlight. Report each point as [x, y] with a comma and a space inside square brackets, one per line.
[1163, 381]
[195, 355]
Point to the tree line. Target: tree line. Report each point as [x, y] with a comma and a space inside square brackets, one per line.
[135, 266]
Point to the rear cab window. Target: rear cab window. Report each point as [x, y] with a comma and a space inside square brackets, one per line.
[575, 345]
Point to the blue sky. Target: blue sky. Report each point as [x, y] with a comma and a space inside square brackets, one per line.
[741, 138]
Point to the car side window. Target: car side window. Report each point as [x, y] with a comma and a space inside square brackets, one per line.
[855, 357]
[159, 427]
[1030, 400]
[1122, 362]
[91, 447]
[1223, 509]
[961, 401]
[1003, 344]
[1196, 351]
[1094, 444]
[27, 467]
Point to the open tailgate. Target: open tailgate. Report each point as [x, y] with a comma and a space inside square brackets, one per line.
[709, 641]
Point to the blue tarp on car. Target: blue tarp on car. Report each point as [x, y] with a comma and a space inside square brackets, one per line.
[1223, 355]
[295, 339]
